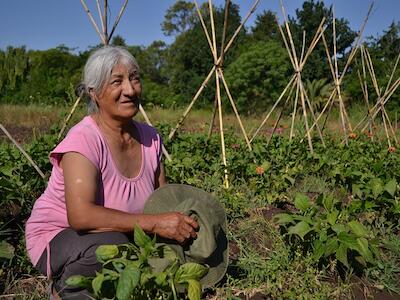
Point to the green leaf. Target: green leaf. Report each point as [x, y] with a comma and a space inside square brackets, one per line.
[341, 254]
[390, 187]
[127, 282]
[332, 217]
[141, 239]
[190, 270]
[331, 247]
[364, 250]
[301, 229]
[376, 187]
[356, 190]
[194, 289]
[338, 228]
[283, 218]
[358, 229]
[318, 249]
[79, 281]
[97, 283]
[302, 202]
[6, 250]
[349, 240]
[328, 202]
[106, 252]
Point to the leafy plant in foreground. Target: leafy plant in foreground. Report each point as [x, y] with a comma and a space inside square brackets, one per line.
[143, 270]
[326, 228]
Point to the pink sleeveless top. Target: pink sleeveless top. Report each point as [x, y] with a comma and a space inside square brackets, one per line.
[49, 215]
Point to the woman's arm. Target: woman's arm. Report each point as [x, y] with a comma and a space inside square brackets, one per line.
[160, 177]
[81, 179]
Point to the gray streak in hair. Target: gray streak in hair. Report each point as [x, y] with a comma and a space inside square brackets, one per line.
[98, 69]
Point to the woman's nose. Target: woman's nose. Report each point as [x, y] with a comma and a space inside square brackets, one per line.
[128, 88]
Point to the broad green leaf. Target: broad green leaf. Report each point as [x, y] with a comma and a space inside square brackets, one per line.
[338, 228]
[127, 282]
[283, 218]
[141, 239]
[341, 254]
[6, 250]
[364, 250]
[190, 270]
[106, 252]
[328, 202]
[301, 229]
[358, 229]
[318, 249]
[161, 278]
[79, 281]
[349, 240]
[97, 283]
[331, 246]
[391, 186]
[302, 202]
[332, 217]
[194, 289]
[376, 187]
[356, 190]
[290, 179]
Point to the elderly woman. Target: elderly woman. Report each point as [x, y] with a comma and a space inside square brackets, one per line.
[103, 172]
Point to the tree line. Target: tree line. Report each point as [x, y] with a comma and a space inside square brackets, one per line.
[257, 67]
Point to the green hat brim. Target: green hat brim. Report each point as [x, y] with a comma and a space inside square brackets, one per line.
[168, 198]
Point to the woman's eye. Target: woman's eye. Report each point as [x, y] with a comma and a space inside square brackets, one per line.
[116, 82]
[134, 77]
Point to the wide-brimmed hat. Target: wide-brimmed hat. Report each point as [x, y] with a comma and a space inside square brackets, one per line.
[211, 245]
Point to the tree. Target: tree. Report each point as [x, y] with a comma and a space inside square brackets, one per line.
[189, 58]
[179, 18]
[258, 76]
[265, 27]
[118, 41]
[307, 20]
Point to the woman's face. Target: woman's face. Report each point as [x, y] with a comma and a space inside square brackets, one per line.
[119, 97]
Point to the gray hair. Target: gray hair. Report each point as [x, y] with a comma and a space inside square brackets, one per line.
[98, 69]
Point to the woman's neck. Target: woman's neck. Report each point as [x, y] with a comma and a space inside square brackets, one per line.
[113, 127]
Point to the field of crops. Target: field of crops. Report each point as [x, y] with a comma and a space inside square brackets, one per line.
[321, 226]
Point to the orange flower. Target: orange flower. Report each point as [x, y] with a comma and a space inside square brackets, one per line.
[352, 135]
[260, 170]
[391, 149]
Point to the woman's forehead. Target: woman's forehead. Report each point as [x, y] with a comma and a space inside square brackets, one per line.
[123, 68]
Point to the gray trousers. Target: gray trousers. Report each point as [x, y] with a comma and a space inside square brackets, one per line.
[73, 253]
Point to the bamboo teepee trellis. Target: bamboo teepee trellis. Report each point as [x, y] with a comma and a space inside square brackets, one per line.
[298, 63]
[217, 71]
[338, 77]
[382, 98]
[105, 38]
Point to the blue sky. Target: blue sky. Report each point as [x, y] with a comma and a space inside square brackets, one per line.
[44, 24]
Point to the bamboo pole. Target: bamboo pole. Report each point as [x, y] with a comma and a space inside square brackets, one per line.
[118, 19]
[347, 65]
[22, 151]
[290, 83]
[105, 20]
[222, 77]
[203, 25]
[280, 114]
[296, 99]
[143, 112]
[186, 112]
[102, 37]
[69, 116]
[100, 15]
[214, 42]
[227, 2]
[212, 71]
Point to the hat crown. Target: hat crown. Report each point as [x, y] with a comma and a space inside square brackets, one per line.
[205, 244]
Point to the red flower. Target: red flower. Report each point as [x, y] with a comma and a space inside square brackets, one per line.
[391, 149]
[260, 170]
[352, 135]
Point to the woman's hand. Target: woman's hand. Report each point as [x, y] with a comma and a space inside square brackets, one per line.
[175, 226]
